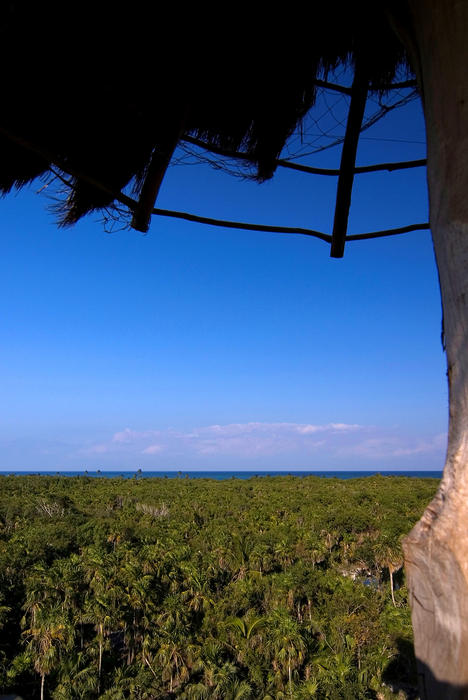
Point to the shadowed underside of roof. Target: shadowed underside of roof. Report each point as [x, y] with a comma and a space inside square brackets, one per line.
[105, 100]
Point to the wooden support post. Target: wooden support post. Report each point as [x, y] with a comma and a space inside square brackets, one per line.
[436, 550]
[348, 161]
[155, 174]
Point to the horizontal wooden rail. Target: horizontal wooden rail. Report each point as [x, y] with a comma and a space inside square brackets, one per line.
[287, 229]
[345, 90]
[401, 165]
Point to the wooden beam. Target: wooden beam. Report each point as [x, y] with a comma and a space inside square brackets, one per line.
[348, 160]
[401, 86]
[344, 89]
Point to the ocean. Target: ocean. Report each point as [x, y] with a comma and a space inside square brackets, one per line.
[221, 475]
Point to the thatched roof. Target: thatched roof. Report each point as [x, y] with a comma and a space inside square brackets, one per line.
[104, 100]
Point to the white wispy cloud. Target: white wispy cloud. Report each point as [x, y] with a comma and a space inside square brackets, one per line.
[322, 445]
[394, 445]
[152, 449]
[232, 438]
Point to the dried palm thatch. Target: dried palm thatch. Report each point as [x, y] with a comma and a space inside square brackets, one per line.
[103, 98]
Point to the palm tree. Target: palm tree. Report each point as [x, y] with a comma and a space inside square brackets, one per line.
[173, 615]
[261, 557]
[46, 638]
[286, 644]
[137, 602]
[98, 613]
[314, 549]
[219, 675]
[195, 590]
[236, 689]
[307, 689]
[4, 611]
[389, 555]
[100, 606]
[333, 672]
[284, 553]
[121, 685]
[36, 591]
[77, 677]
[246, 637]
[239, 554]
[173, 658]
[148, 645]
[246, 627]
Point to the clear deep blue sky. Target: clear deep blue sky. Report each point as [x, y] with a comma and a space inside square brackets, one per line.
[199, 347]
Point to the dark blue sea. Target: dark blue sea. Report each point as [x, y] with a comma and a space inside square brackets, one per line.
[225, 474]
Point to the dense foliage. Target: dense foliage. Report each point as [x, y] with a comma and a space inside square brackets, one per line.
[264, 588]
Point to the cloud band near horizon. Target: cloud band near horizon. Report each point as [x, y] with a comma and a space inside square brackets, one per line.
[254, 440]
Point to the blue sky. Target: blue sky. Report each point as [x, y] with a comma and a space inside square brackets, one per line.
[195, 347]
